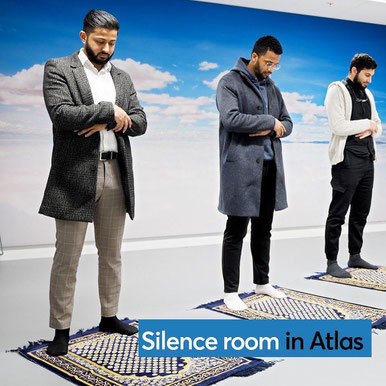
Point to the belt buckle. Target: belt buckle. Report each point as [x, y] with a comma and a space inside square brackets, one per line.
[105, 159]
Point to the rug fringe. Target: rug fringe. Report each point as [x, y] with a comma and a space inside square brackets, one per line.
[39, 342]
[380, 324]
[206, 305]
[263, 365]
[316, 276]
[29, 345]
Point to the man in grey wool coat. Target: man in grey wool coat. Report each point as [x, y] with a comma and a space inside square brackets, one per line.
[253, 118]
[94, 109]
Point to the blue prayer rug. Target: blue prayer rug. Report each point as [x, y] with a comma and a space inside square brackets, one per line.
[99, 358]
[300, 305]
[364, 278]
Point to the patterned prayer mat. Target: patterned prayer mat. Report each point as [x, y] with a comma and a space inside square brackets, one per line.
[365, 278]
[300, 305]
[97, 358]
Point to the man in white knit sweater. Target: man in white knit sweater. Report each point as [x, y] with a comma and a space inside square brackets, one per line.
[354, 125]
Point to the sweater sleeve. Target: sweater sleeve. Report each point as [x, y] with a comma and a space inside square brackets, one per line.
[375, 116]
[336, 112]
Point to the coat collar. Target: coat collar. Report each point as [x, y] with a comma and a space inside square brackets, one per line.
[242, 69]
[241, 66]
[74, 60]
[120, 86]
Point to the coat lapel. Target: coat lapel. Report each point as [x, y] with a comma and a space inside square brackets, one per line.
[271, 95]
[252, 86]
[81, 79]
[119, 87]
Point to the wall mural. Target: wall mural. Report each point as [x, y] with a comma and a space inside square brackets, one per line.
[176, 51]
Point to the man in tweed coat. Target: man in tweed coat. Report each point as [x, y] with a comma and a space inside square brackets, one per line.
[253, 118]
[94, 109]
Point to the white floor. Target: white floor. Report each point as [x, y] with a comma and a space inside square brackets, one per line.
[169, 283]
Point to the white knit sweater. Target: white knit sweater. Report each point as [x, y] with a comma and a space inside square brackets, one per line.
[339, 107]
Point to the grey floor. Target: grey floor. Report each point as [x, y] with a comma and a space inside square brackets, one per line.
[169, 283]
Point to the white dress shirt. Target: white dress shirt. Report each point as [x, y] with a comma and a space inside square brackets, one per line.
[102, 89]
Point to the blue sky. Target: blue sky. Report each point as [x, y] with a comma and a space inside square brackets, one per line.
[174, 36]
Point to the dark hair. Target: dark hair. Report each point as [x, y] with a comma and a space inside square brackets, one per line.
[99, 19]
[361, 61]
[267, 43]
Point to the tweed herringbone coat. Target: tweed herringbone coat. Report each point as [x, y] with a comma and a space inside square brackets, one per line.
[71, 186]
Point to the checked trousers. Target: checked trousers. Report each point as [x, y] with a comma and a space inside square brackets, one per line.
[109, 221]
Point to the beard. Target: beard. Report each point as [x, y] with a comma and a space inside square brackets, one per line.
[358, 83]
[260, 75]
[95, 58]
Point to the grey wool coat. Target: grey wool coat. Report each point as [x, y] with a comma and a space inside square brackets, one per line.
[241, 157]
[71, 187]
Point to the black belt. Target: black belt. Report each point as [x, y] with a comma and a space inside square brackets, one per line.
[108, 155]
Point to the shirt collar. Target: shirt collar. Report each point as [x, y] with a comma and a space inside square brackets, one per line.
[87, 64]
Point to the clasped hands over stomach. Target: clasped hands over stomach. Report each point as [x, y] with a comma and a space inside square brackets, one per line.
[121, 118]
[365, 133]
[278, 128]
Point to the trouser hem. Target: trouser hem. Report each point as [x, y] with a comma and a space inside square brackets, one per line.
[229, 291]
[263, 282]
[59, 326]
[108, 313]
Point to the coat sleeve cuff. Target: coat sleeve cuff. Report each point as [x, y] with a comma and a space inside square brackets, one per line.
[106, 114]
[273, 133]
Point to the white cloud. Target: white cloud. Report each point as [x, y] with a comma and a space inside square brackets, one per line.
[383, 136]
[152, 109]
[24, 88]
[214, 82]
[186, 110]
[22, 92]
[25, 123]
[166, 99]
[145, 77]
[206, 66]
[303, 105]
[304, 132]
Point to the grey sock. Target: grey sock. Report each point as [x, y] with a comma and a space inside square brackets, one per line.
[355, 261]
[334, 270]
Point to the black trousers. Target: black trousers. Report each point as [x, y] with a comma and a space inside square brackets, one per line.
[352, 183]
[236, 229]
